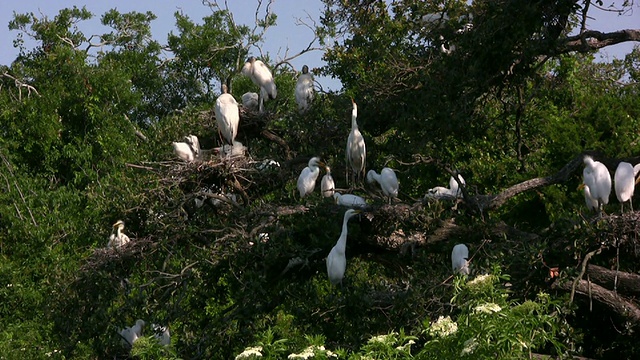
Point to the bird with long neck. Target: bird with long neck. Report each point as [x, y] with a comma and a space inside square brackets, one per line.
[356, 153]
[337, 260]
[117, 238]
[387, 180]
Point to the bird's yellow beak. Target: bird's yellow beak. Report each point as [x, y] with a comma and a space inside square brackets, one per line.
[581, 186]
[352, 102]
[358, 211]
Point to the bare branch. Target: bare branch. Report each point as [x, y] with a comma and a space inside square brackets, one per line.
[592, 40]
[19, 84]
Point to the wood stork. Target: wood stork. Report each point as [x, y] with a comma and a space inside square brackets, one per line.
[131, 334]
[260, 74]
[304, 90]
[227, 115]
[251, 101]
[189, 150]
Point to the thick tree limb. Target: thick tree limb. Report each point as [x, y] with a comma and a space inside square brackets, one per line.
[593, 40]
[626, 283]
[606, 297]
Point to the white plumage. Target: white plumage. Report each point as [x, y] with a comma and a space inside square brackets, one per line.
[327, 185]
[349, 200]
[188, 150]
[308, 176]
[337, 260]
[625, 183]
[235, 150]
[161, 334]
[454, 188]
[227, 115]
[117, 238]
[260, 74]
[356, 152]
[596, 177]
[304, 90]
[441, 192]
[460, 259]
[131, 334]
[387, 180]
[251, 101]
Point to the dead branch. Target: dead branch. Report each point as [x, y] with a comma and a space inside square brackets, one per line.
[590, 40]
[627, 283]
[19, 84]
[606, 297]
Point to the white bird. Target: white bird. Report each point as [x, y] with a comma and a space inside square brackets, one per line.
[349, 200]
[235, 150]
[251, 101]
[460, 259]
[387, 180]
[327, 185]
[131, 334]
[161, 334]
[625, 183]
[337, 260]
[454, 188]
[304, 90]
[439, 192]
[596, 177]
[260, 74]
[188, 150]
[117, 238]
[227, 115]
[356, 153]
[308, 176]
[592, 203]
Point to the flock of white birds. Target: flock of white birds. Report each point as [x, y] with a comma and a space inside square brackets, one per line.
[131, 334]
[596, 182]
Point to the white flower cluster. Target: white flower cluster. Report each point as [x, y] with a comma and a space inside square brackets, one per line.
[487, 308]
[310, 352]
[387, 338]
[406, 346]
[469, 347]
[250, 351]
[444, 326]
[480, 280]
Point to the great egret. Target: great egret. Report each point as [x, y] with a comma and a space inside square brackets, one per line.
[592, 203]
[131, 334]
[304, 90]
[596, 177]
[162, 334]
[337, 260]
[327, 185]
[117, 238]
[308, 176]
[625, 183]
[188, 150]
[260, 74]
[227, 115]
[460, 259]
[387, 180]
[349, 200]
[454, 188]
[356, 153]
[251, 101]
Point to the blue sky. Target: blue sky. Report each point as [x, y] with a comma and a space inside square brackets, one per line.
[285, 35]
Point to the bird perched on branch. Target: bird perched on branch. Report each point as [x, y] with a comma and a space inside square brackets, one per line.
[387, 180]
[327, 185]
[460, 259]
[308, 176]
[349, 200]
[251, 101]
[117, 238]
[131, 334]
[189, 150]
[597, 179]
[260, 74]
[453, 191]
[304, 90]
[227, 115]
[356, 153]
[161, 334]
[625, 183]
[337, 260]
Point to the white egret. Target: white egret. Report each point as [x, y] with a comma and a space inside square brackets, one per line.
[460, 259]
[304, 90]
[131, 334]
[387, 180]
[308, 176]
[596, 177]
[251, 101]
[235, 150]
[188, 150]
[356, 153]
[349, 200]
[439, 192]
[260, 74]
[227, 115]
[625, 183]
[327, 185]
[454, 188]
[592, 203]
[117, 238]
[337, 260]
[162, 334]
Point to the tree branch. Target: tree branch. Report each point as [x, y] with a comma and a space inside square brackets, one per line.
[592, 40]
